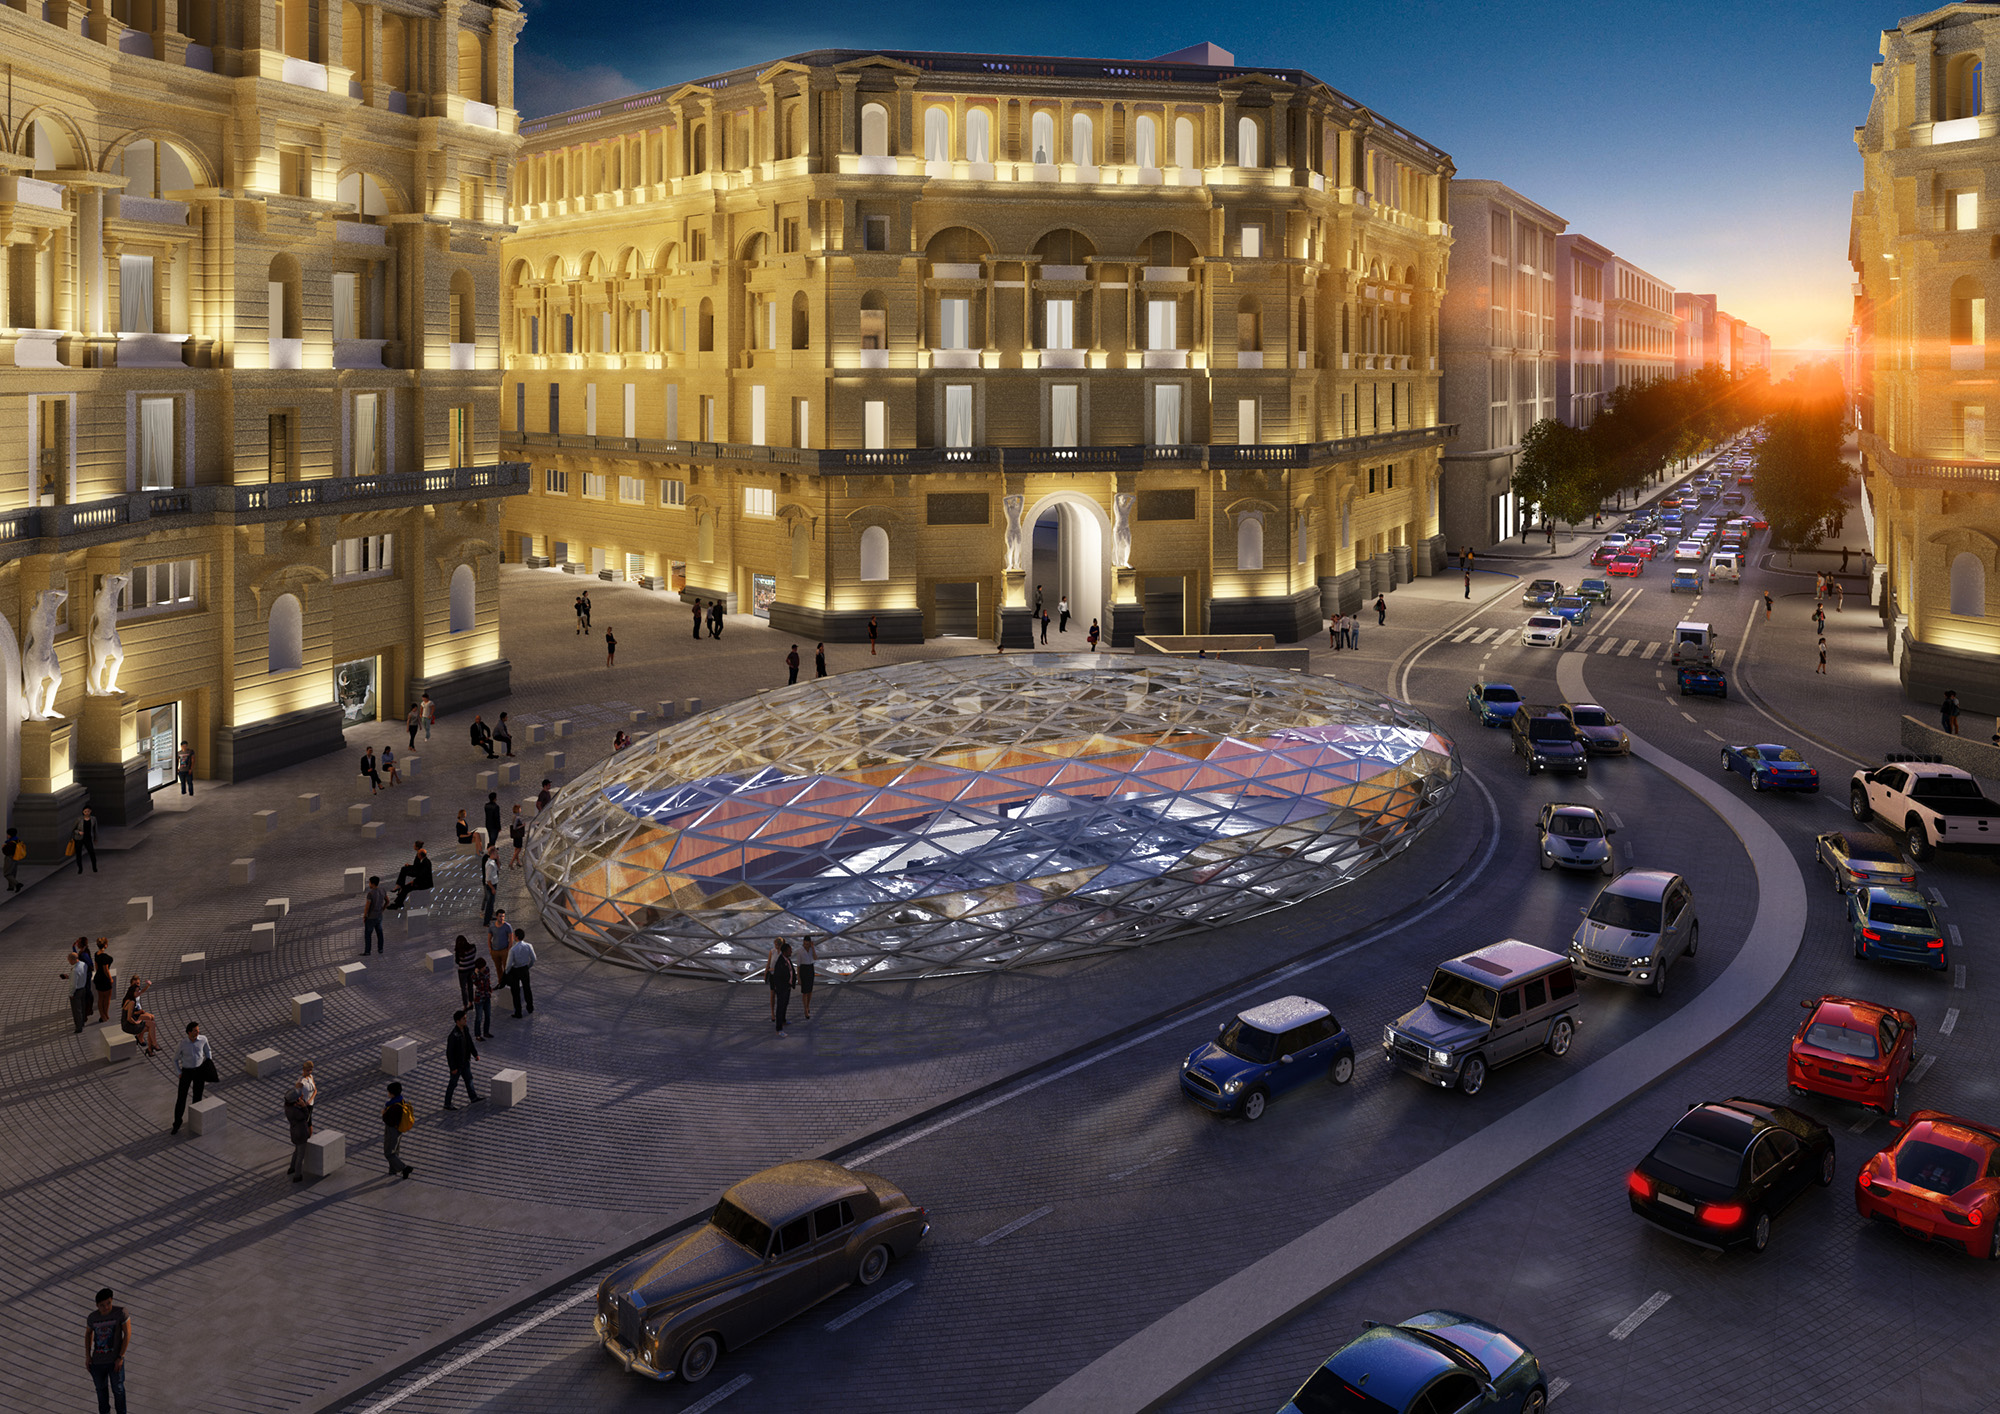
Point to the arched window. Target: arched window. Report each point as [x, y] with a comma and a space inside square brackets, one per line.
[471, 67]
[705, 327]
[1146, 142]
[698, 149]
[284, 312]
[1042, 139]
[1184, 144]
[978, 136]
[1975, 98]
[1968, 322]
[937, 135]
[1250, 541]
[464, 308]
[464, 588]
[801, 550]
[1246, 142]
[704, 539]
[874, 130]
[1082, 140]
[286, 634]
[874, 555]
[1968, 586]
[152, 169]
[801, 321]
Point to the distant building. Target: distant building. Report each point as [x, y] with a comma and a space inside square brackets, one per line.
[1583, 276]
[1694, 332]
[1639, 313]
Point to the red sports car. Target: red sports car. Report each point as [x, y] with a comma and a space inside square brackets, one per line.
[1757, 522]
[1644, 549]
[1748, 478]
[1940, 1182]
[1630, 565]
[1853, 1050]
[1670, 503]
[1602, 555]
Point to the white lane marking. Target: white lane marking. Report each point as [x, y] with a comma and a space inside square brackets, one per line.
[1651, 649]
[1556, 1387]
[870, 1304]
[1595, 793]
[1637, 1318]
[1626, 651]
[1710, 735]
[1937, 900]
[1862, 1125]
[1917, 1071]
[1485, 634]
[453, 1367]
[1607, 646]
[1957, 973]
[1463, 634]
[1616, 823]
[1950, 1022]
[1008, 1229]
[1688, 715]
[709, 1401]
[1953, 927]
[1588, 639]
[1149, 1159]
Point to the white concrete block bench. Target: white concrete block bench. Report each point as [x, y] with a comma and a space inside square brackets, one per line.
[264, 822]
[308, 1008]
[354, 881]
[372, 831]
[553, 760]
[440, 960]
[326, 1153]
[486, 780]
[309, 802]
[560, 727]
[417, 806]
[509, 1088]
[399, 1057]
[208, 1114]
[349, 973]
[113, 1045]
[139, 910]
[510, 773]
[242, 871]
[277, 908]
[259, 1064]
[534, 733]
[193, 964]
[358, 815]
[263, 937]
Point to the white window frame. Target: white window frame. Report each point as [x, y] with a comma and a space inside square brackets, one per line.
[954, 323]
[554, 482]
[631, 490]
[363, 557]
[673, 493]
[1059, 324]
[593, 486]
[760, 501]
[166, 587]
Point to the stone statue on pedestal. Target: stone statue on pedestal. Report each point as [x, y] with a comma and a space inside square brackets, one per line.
[107, 653]
[41, 671]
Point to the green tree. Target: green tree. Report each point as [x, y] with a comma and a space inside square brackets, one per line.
[1800, 474]
[1557, 471]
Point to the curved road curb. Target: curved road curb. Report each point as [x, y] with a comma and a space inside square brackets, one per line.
[1158, 1362]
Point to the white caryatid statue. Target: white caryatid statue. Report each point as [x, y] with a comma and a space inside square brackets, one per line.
[107, 653]
[1121, 530]
[41, 672]
[1012, 504]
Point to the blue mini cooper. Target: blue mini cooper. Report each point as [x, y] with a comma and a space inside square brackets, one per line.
[1264, 1052]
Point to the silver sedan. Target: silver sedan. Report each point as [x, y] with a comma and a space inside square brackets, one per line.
[1574, 837]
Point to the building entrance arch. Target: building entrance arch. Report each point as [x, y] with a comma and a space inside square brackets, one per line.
[13, 705]
[1070, 539]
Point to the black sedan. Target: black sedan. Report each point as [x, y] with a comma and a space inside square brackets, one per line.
[1437, 1362]
[1719, 1176]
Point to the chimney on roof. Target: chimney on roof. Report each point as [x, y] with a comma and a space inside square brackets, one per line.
[1203, 53]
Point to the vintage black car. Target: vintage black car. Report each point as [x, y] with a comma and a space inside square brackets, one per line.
[1719, 1176]
[778, 1242]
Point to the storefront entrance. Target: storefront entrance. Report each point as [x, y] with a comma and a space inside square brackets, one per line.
[354, 687]
[763, 594]
[159, 742]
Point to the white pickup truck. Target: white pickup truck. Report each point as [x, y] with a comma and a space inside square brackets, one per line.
[1933, 806]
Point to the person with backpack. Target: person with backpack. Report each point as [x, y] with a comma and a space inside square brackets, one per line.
[12, 852]
[399, 1117]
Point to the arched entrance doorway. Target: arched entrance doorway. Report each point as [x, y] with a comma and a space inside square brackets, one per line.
[1070, 535]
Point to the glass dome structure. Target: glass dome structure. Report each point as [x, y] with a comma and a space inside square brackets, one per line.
[982, 813]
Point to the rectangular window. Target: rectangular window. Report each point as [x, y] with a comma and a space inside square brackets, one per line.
[346, 293]
[1972, 440]
[1253, 242]
[1161, 315]
[593, 486]
[874, 329]
[459, 428]
[760, 501]
[161, 588]
[646, 330]
[631, 410]
[788, 235]
[520, 407]
[362, 557]
[135, 294]
[874, 425]
[1063, 415]
[534, 333]
[367, 423]
[954, 323]
[757, 416]
[1059, 324]
[673, 412]
[555, 407]
[1246, 421]
[801, 422]
[632, 490]
[673, 493]
[604, 332]
[958, 415]
[156, 443]
[708, 419]
[1167, 414]
[294, 171]
[1372, 488]
[569, 333]
[875, 233]
[770, 324]
[590, 409]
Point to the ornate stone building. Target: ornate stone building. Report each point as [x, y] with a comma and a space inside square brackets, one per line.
[1923, 247]
[904, 337]
[249, 377]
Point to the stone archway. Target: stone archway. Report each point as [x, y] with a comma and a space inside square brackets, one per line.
[1069, 552]
[12, 705]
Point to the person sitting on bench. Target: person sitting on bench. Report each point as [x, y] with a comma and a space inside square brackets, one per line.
[412, 876]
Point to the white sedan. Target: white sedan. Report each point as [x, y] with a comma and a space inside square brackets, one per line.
[1545, 631]
[1693, 550]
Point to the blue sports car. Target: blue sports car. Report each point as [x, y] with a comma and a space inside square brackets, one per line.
[1702, 682]
[1264, 1052]
[1573, 607]
[1437, 1362]
[1495, 702]
[1770, 767]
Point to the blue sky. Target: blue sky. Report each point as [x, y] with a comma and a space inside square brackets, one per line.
[1710, 143]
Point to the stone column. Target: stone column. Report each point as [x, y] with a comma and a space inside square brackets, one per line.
[50, 801]
[108, 763]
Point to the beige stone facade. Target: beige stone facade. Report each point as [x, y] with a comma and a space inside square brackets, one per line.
[249, 359]
[899, 337]
[1923, 251]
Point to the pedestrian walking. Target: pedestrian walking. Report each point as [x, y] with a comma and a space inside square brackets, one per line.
[1468, 584]
[489, 881]
[1950, 712]
[135, 1020]
[504, 734]
[1822, 654]
[12, 851]
[414, 720]
[464, 953]
[779, 975]
[1767, 606]
[792, 665]
[492, 816]
[414, 876]
[1062, 614]
[610, 647]
[819, 660]
[103, 977]
[374, 905]
[807, 959]
[399, 1117]
[83, 840]
[517, 833]
[715, 618]
[1045, 628]
[77, 972]
[107, 1335]
[521, 972]
[544, 796]
[1091, 638]
[481, 735]
[197, 1069]
[1381, 610]
[299, 1101]
[697, 620]
[1819, 617]
[1354, 632]
[586, 611]
[482, 1000]
[369, 771]
[576, 607]
[395, 777]
[459, 1054]
[1839, 594]
[873, 630]
[430, 714]
[184, 768]
[771, 959]
[1038, 601]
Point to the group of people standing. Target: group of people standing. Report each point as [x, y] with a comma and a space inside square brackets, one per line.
[709, 614]
[785, 970]
[792, 663]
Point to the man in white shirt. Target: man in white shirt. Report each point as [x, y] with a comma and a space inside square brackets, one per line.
[195, 1060]
[489, 878]
[79, 985]
[520, 965]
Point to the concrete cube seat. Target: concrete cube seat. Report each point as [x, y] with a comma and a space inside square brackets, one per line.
[417, 806]
[486, 780]
[208, 1114]
[636, 716]
[113, 1045]
[308, 1008]
[309, 802]
[360, 814]
[399, 1057]
[193, 964]
[139, 910]
[560, 727]
[263, 937]
[263, 822]
[326, 1153]
[534, 733]
[554, 760]
[509, 1088]
[259, 1064]
[372, 830]
[510, 773]
[693, 706]
[440, 960]
[348, 973]
[243, 871]
[664, 710]
[409, 766]
[276, 908]
[354, 881]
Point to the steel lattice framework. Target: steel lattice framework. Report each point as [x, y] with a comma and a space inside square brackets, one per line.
[982, 813]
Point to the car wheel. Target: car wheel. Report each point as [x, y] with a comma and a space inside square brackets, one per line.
[1538, 1400]
[1826, 1168]
[1919, 843]
[1659, 987]
[874, 1262]
[1560, 1035]
[1857, 806]
[1694, 939]
[1528, 765]
[1342, 1070]
[1253, 1105]
[1756, 784]
[699, 1358]
[1472, 1075]
[1725, 763]
[1760, 1233]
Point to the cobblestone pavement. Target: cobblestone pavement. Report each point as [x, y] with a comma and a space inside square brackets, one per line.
[646, 1095]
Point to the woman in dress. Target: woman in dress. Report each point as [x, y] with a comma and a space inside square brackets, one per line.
[104, 977]
[135, 1020]
[389, 765]
[808, 956]
[464, 828]
[517, 831]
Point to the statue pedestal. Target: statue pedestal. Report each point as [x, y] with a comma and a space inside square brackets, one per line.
[50, 800]
[108, 764]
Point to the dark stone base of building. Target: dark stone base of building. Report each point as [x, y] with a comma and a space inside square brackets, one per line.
[262, 747]
[468, 687]
[1017, 628]
[1339, 594]
[812, 626]
[118, 794]
[1128, 621]
[45, 821]
[1928, 671]
[1289, 617]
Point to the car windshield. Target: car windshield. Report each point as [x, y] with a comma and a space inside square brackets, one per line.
[1935, 1167]
[1589, 717]
[1499, 694]
[1248, 1043]
[1945, 788]
[1328, 1393]
[1576, 827]
[1550, 729]
[1569, 601]
[1699, 1158]
[1899, 915]
[1869, 852]
[1843, 1040]
[1543, 586]
[739, 1225]
[1545, 621]
[1634, 915]
[1460, 994]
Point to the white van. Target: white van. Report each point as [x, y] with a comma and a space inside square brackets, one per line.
[1724, 567]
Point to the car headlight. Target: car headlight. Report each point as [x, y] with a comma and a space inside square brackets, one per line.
[1232, 1087]
[1188, 1062]
[1440, 1057]
[1388, 1035]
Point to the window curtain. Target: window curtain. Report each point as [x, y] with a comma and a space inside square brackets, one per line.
[1167, 414]
[937, 135]
[1060, 315]
[977, 128]
[954, 323]
[958, 415]
[1062, 416]
[1148, 144]
[1160, 323]
[135, 294]
[364, 435]
[343, 305]
[156, 443]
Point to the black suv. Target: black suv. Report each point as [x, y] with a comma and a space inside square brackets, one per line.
[1545, 741]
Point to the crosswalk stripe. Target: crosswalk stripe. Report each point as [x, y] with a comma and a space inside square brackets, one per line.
[1485, 634]
[1464, 634]
[1651, 649]
[1607, 645]
[1630, 644]
[1588, 639]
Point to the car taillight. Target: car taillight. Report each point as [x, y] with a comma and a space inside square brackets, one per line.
[1722, 1214]
[1909, 878]
[1871, 935]
[1859, 874]
[1641, 1186]
[1935, 943]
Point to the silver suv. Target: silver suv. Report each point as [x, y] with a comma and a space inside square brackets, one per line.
[1641, 922]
